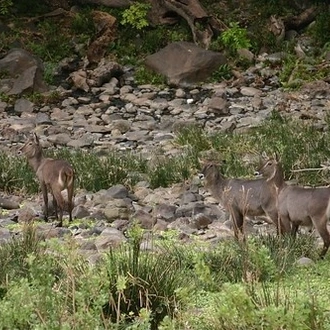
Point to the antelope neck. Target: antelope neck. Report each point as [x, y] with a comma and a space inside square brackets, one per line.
[35, 161]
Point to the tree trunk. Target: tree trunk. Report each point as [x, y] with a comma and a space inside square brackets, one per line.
[302, 20]
[202, 25]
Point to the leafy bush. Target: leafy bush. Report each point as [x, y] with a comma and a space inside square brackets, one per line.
[15, 174]
[147, 280]
[5, 6]
[57, 289]
[235, 38]
[165, 171]
[144, 76]
[13, 255]
[136, 15]
[224, 72]
[48, 285]
[54, 45]
[320, 30]
[268, 307]
[233, 262]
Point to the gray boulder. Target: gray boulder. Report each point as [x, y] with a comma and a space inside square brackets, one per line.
[184, 63]
[23, 72]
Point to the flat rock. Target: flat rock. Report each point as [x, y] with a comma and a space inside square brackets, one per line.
[8, 204]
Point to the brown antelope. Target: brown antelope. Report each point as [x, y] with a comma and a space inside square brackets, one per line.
[53, 174]
[242, 197]
[299, 205]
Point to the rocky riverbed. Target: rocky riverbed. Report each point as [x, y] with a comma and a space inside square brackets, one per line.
[122, 116]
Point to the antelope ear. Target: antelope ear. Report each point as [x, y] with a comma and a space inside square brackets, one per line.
[277, 156]
[201, 161]
[35, 138]
[264, 155]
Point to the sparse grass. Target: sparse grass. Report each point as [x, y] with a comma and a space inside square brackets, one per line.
[299, 144]
[295, 72]
[320, 30]
[144, 76]
[224, 72]
[13, 256]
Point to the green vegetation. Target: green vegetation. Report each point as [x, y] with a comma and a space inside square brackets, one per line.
[57, 37]
[321, 29]
[5, 7]
[222, 73]
[233, 285]
[143, 75]
[295, 71]
[136, 15]
[235, 38]
[300, 145]
[255, 284]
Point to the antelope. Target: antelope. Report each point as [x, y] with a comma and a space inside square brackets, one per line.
[301, 206]
[242, 197]
[54, 175]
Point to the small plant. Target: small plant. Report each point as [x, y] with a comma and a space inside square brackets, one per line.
[166, 171]
[144, 280]
[7, 98]
[15, 175]
[145, 76]
[13, 255]
[49, 72]
[54, 45]
[5, 6]
[321, 28]
[222, 73]
[193, 136]
[82, 23]
[235, 38]
[136, 16]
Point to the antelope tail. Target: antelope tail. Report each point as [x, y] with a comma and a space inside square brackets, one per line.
[66, 177]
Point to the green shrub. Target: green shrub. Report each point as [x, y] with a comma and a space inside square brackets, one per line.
[286, 250]
[147, 280]
[235, 38]
[14, 255]
[136, 15]
[55, 289]
[54, 45]
[15, 174]
[233, 262]
[5, 6]
[166, 171]
[144, 76]
[321, 28]
[224, 72]
[82, 23]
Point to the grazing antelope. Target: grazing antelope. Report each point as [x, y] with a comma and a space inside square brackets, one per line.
[299, 205]
[242, 197]
[53, 174]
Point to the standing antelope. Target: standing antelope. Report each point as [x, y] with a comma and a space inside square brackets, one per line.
[53, 174]
[299, 205]
[241, 197]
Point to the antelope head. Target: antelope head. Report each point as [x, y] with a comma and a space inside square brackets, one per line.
[31, 148]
